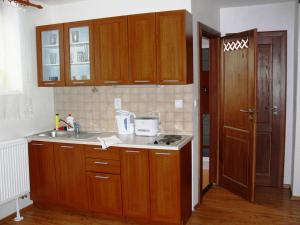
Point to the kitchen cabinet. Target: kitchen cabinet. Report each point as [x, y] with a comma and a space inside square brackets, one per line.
[111, 50]
[79, 53]
[143, 185]
[70, 175]
[165, 186]
[135, 183]
[150, 48]
[42, 172]
[142, 48]
[50, 55]
[174, 47]
[104, 193]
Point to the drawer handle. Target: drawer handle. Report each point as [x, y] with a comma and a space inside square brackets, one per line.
[36, 144]
[171, 81]
[78, 82]
[133, 151]
[162, 153]
[142, 81]
[50, 83]
[101, 177]
[97, 148]
[101, 163]
[110, 82]
[65, 146]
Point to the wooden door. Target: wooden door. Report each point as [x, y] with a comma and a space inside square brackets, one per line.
[50, 55]
[79, 53]
[42, 172]
[104, 192]
[271, 92]
[70, 173]
[165, 186]
[135, 183]
[142, 48]
[238, 113]
[111, 50]
[174, 47]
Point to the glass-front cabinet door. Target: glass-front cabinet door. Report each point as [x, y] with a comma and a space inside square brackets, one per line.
[50, 56]
[79, 58]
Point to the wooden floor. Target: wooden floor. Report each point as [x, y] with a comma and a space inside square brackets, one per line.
[219, 207]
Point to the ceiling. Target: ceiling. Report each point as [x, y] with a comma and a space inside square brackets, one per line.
[222, 3]
[237, 3]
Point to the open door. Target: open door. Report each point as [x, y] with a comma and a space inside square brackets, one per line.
[238, 113]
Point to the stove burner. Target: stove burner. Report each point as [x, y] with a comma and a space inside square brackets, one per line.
[167, 139]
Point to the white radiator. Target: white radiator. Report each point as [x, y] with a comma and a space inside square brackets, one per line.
[14, 170]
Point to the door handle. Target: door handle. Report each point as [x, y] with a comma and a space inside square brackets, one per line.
[275, 108]
[250, 111]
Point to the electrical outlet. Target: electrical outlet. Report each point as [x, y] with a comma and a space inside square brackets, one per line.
[118, 103]
[178, 104]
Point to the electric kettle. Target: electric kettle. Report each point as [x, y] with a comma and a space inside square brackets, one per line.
[125, 122]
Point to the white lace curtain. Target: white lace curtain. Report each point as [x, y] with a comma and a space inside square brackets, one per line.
[15, 64]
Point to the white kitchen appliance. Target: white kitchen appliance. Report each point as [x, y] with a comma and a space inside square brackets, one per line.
[125, 122]
[146, 126]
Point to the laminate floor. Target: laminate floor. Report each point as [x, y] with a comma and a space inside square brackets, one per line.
[219, 207]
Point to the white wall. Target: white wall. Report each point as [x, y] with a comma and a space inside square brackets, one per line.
[92, 9]
[279, 16]
[42, 99]
[208, 13]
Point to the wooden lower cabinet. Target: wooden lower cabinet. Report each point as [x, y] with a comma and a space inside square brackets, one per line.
[165, 186]
[152, 186]
[42, 172]
[135, 183]
[104, 193]
[70, 175]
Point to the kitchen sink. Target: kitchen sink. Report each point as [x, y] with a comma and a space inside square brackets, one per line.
[67, 135]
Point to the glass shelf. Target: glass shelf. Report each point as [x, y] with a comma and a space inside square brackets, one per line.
[79, 53]
[50, 55]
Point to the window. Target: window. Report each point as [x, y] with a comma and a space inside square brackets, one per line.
[10, 50]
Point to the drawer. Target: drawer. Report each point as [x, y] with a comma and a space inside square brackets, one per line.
[102, 165]
[93, 151]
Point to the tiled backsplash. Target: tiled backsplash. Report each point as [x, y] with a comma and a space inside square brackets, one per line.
[93, 108]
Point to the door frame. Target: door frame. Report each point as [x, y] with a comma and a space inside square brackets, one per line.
[214, 71]
[283, 86]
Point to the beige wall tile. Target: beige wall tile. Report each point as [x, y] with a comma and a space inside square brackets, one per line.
[94, 108]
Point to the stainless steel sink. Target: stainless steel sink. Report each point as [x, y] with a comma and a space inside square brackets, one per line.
[67, 135]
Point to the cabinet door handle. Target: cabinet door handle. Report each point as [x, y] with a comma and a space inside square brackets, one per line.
[65, 146]
[101, 177]
[51, 83]
[162, 153]
[97, 148]
[78, 82]
[142, 81]
[110, 82]
[171, 81]
[37, 144]
[133, 151]
[101, 163]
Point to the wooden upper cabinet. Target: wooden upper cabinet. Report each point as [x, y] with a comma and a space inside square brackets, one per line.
[165, 186]
[42, 172]
[50, 55]
[70, 175]
[135, 183]
[111, 50]
[174, 47]
[79, 53]
[142, 48]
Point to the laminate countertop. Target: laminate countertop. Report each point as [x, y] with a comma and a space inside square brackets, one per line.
[128, 141]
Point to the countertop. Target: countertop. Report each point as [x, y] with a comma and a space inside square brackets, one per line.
[128, 141]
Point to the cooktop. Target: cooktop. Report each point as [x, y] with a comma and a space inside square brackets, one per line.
[165, 139]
